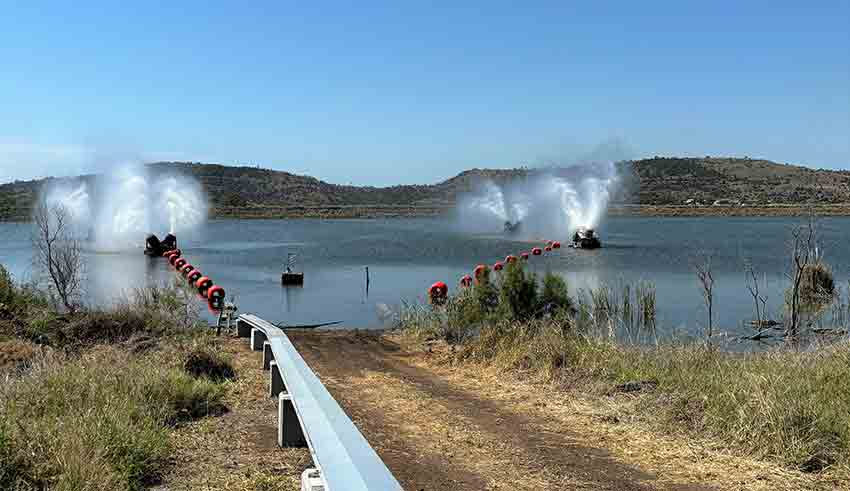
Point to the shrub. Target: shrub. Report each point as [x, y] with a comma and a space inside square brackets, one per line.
[555, 297]
[18, 299]
[518, 293]
[818, 284]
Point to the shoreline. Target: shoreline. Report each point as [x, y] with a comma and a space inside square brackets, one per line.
[405, 211]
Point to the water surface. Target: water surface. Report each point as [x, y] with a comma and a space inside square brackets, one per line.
[405, 256]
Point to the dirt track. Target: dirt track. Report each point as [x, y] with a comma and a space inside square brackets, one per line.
[435, 434]
[440, 427]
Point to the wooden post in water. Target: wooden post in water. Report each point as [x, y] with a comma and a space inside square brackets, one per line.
[367, 281]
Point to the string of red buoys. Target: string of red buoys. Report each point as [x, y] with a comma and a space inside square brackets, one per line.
[212, 293]
[438, 293]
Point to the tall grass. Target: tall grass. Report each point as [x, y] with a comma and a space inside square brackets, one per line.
[92, 408]
[98, 421]
[785, 405]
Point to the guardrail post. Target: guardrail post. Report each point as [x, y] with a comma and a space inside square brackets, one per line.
[258, 337]
[289, 432]
[268, 355]
[243, 329]
[276, 386]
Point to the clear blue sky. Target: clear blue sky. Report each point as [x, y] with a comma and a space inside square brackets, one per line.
[392, 93]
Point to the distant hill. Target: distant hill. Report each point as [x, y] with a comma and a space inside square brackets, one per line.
[254, 191]
[673, 181]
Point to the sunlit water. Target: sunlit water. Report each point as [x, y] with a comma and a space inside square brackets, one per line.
[405, 256]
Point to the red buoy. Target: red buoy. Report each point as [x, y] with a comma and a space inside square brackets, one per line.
[171, 253]
[510, 259]
[173, 259]
[524, 256]
[194, 276]
[215, 296]
[178, 264]
[203, 284]
[466, 281]
[479, 272]
[548, 248]
[438, 293]
[536, 251]
[185, 270]
[498, 266]
[556, 245]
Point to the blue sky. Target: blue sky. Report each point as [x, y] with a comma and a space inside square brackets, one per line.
[391, 93]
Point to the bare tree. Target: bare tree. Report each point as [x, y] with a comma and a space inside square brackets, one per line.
[803, 252]
[759, 300]
[58, 252]
[706, 281]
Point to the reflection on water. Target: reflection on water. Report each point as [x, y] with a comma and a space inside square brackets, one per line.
[405, 256]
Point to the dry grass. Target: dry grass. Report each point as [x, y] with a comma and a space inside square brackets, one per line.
[16, 354]
[99, 421]
[626, 425]
[784, 406]
[441, 423]
[237, 451]
[88, 400]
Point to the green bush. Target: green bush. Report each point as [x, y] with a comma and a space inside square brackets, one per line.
[18, 299]
[555, 296]
[514, 297]
[518, 293]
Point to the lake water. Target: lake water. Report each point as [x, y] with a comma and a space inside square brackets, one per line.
[405, 256]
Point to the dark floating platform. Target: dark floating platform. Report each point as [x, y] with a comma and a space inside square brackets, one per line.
[292, 279]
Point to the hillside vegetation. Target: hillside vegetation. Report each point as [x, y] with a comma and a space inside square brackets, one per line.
[254, 191]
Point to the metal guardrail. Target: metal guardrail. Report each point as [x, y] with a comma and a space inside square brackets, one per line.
[309, 415]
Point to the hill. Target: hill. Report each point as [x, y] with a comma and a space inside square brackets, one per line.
[658, 181]
[673, 181]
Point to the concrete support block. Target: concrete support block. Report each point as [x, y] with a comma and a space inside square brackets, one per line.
[243, 329]
[268, 356]
[289, 432]
[276, 385]
[258, 337]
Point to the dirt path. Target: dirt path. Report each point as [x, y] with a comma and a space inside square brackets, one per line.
[440, 427]
[453, 428]
[435, 434]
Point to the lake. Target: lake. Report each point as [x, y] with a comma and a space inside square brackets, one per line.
[405, 256]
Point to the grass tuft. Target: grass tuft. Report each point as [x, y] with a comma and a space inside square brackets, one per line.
[207, 359]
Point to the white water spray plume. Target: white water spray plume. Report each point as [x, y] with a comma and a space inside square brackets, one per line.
[117, 211]
[73, 198]
[553, 203]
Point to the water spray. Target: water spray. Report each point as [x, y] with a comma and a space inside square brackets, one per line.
[120, 209]
[553, 202]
